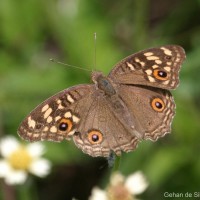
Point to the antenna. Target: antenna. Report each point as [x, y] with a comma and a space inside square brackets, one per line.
[73, 66]
[61, 63]
[95, 49]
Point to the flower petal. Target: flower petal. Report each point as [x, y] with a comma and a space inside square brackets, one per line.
[16, 177]
[35, 149]
[40, 167]
[8, 145]
[98, 194]
[116, 178]
[4, 168]
[136, 183]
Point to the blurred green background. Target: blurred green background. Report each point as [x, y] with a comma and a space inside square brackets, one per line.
[33, 31]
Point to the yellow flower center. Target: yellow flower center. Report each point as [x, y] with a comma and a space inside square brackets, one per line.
[20, 159]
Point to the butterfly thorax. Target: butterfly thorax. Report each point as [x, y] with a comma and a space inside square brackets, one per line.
[103, 83]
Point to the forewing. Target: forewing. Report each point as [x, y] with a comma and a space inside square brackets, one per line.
[156, 67]
[55, 118]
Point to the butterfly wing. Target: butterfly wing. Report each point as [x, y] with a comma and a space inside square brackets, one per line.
[101, 131]
[53, 119]
[153, 108]
[156, 67]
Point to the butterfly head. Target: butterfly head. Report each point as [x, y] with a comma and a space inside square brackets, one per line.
[96, 75]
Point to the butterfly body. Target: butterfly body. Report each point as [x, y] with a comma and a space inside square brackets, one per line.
[117, 111]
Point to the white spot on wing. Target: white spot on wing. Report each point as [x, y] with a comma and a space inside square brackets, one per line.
[47, 113]
[29, 134]
[31, 122]
[49, 119]
[166, 82]
[75, 119]
[71, 133]
[149, 71]
[152, 58]
[36, 135]
[68, 114]
[166, 51]
[142, 63]
[44, 108]
[158, 62]
[58, 101]
[148, 54]
[53, 129]
[60, 106]
[138, 61]
[70, 99]
[46, 128]
[167, 69]
[151, 79]
[173, 83]
[57, 118]
[155, 66]
[130, 66]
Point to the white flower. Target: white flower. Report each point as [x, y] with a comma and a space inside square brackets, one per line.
[121, 188]
[136, 183]
[19, 159]
[98, 194]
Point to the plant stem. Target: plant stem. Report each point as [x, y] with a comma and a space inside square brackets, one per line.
[116, 164]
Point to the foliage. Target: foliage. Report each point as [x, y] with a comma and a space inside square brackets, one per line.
[34, 31]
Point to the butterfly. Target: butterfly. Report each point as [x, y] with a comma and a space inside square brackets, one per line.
[117, 111]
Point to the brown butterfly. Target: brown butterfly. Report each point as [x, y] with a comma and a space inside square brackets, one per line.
[117, 111]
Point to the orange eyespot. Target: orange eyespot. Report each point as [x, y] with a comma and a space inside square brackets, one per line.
[95, 137]
[65, 125]
[158, 104]
[160, 74]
